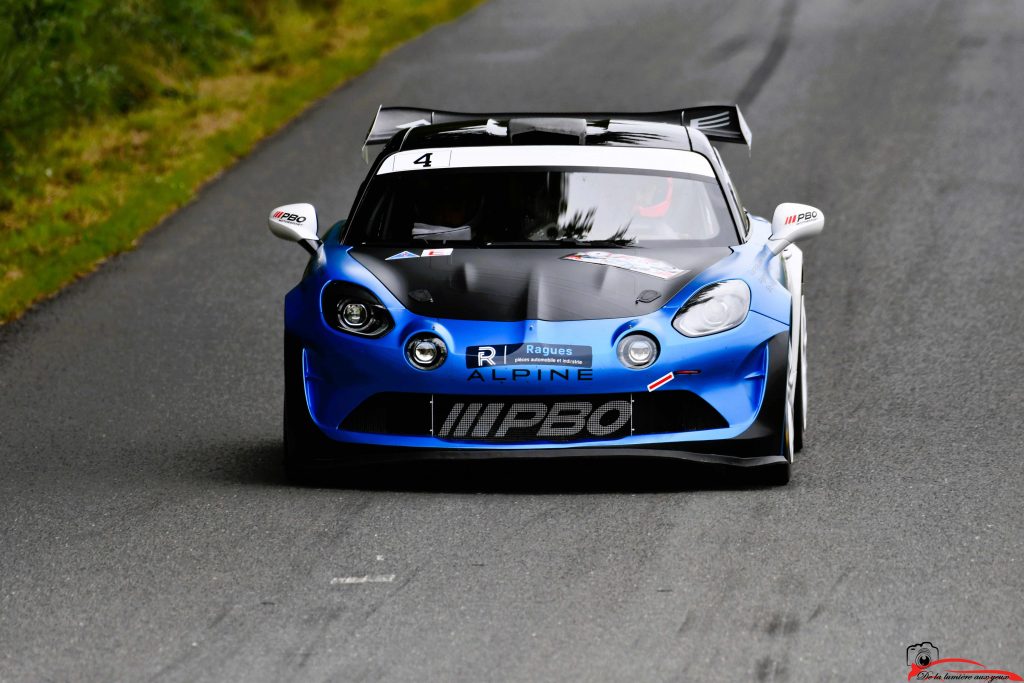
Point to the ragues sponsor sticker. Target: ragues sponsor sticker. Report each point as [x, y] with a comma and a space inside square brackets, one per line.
[529, 353]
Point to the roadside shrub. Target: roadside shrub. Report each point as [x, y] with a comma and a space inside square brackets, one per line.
[63, 61]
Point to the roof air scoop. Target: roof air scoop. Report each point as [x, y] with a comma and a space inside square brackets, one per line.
[527, 131]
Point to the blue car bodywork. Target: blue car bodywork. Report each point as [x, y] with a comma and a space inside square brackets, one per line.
[728, 397]
[341, 370]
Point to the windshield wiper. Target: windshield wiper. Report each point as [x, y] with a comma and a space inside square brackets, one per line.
[619, 242]
[567, 242]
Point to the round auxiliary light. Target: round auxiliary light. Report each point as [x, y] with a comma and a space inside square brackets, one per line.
[355, 314]
[426, 351]
[637, 351]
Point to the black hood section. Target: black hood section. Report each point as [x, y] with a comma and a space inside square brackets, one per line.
[514, 284]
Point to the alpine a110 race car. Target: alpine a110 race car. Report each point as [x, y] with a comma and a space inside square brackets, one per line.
[535, 285]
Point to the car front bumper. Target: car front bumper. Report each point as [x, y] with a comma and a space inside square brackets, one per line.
[739, 374]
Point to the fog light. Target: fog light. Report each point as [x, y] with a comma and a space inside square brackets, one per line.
[637, 351]
[426, 351]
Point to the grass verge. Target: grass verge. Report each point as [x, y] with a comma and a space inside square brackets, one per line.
[98, 186]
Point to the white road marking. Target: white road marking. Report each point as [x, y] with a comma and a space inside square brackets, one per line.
[344, 580]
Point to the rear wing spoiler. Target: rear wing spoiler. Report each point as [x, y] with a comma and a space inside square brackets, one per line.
[722, 123]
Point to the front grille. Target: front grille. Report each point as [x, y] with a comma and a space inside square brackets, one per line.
[659, 412]
[391, 413]
[522, 419]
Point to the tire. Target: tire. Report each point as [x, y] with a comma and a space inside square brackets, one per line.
[800, 399]
[778, 474]
[305, 446]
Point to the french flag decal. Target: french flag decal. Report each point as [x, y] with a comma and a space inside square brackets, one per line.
[661, 381]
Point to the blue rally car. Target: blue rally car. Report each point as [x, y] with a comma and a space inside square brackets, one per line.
[534, 285]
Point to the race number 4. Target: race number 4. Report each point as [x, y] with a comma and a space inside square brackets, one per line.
[414, 160]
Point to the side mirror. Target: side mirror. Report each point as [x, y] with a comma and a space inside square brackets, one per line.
[296, 223]
[794, 223]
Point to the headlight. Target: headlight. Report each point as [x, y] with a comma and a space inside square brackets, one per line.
[355, 315]
[426, 351]
[353, 309]
[637, 351]
[715, 308]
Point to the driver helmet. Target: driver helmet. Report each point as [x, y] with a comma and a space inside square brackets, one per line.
[653, 197]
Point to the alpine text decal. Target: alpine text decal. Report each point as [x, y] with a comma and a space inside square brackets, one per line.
[522, 374]
[528, 353]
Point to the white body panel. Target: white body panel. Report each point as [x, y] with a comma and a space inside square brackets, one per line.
[619, 158]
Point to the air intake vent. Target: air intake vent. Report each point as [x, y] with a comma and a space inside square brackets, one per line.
[538, 131]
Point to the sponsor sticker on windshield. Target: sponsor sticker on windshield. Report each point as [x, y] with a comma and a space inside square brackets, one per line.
[528, 353]
[637, 264]
[402, 255]
[446, 251]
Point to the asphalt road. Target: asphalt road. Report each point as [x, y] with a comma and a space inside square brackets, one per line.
[146, 532]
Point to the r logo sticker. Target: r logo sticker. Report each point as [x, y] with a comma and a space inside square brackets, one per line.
[485, 356]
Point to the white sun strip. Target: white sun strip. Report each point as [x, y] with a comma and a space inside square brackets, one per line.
[345, 580]
[547, 156]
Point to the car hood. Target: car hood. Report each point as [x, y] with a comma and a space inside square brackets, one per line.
[538, 283]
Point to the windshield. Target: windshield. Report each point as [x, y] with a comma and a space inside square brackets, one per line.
[541, 206]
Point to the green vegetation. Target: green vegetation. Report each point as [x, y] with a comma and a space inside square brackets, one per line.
[113, 112]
